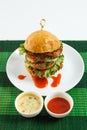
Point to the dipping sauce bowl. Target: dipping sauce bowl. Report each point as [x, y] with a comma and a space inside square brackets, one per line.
[59, 104]
[29, 104]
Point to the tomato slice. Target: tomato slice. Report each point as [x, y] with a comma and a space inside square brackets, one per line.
[57, 53]
[53, 54]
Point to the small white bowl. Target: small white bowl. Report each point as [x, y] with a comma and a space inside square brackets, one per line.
[64, 95]
[29, 104]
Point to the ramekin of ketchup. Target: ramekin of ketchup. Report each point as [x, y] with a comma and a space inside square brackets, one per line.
[59, 104]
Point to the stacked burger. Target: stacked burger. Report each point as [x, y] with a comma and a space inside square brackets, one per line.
[43, 54]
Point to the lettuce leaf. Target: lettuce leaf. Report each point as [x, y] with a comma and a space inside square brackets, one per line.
[22, 50]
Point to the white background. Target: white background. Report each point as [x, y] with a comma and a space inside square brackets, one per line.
[67, 19]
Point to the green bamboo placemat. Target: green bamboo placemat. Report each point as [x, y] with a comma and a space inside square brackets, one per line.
[11, 120]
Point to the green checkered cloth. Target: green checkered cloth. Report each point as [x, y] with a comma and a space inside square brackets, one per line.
[10, 118]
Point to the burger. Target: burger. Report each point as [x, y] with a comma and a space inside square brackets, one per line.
[43, 54]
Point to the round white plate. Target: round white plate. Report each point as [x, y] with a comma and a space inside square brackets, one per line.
[72, 72]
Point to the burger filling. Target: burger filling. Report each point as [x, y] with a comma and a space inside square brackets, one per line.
[43, 65]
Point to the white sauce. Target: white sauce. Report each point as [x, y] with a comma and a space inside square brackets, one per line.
[29, 103]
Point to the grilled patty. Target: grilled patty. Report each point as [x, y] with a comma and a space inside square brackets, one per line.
[48, 72]
[41, 65]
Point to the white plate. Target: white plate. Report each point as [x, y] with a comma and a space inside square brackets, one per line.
[72, 72]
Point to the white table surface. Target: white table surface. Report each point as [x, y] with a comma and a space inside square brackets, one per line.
[67, 19]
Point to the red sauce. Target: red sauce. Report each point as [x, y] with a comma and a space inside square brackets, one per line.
[58, 105]
[21, 77]
[40, 82]
[56, 80]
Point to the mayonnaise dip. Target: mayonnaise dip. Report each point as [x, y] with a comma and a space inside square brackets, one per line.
[29, 103]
